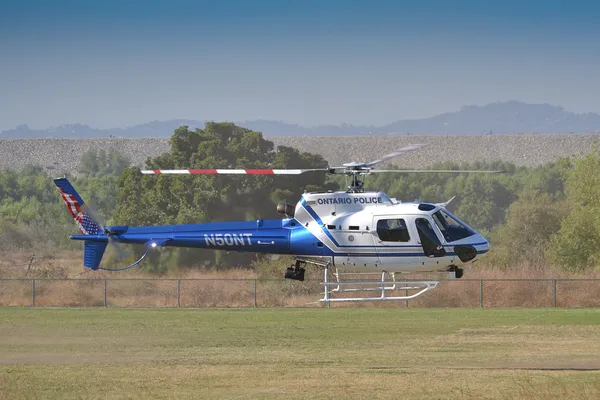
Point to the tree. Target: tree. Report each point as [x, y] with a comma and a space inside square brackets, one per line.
[526, 236]
[30, 203]
[576, 247]
[101, 162]
[172, 199]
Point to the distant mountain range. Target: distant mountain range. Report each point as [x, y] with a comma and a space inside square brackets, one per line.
[511, 117]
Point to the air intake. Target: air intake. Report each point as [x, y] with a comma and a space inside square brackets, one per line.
[286, 208]
[426, 207]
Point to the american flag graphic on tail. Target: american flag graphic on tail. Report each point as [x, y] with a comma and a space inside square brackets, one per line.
[74, 203]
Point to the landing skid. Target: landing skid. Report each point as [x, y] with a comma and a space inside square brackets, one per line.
[382, 286]
[385, 288]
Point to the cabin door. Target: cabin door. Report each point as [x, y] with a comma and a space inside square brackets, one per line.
[432, 247]
[355, 247]
[396, 242]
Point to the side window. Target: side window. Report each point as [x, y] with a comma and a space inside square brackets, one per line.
[392, 230]
[430, 242]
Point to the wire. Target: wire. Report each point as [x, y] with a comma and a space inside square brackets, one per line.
[79, 274]
[127, 267]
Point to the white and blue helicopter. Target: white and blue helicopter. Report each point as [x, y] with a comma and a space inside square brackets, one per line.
[352, 232]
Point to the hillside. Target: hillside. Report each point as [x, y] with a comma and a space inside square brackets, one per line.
[511, 117]
[61, 156]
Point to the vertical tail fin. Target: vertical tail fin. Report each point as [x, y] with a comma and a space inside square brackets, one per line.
[92, 250]
[74, 203]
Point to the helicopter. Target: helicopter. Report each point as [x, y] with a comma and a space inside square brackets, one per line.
[355, 232]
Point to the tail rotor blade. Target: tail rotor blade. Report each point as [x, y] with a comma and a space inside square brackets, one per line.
[94, 215]
[112, 241]
[121, 253]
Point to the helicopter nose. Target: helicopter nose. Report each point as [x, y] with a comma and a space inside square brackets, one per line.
[470, 250]
[482, 246]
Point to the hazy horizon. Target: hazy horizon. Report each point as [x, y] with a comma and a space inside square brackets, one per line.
[122, 63]
[308, 126]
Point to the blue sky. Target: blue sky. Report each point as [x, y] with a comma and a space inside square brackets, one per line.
[118, 63]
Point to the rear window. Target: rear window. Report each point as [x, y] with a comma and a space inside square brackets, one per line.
[392, 230]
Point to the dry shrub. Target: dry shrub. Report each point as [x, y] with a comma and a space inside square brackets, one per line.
[236, 287]
[456, 293]
[527, 285]
[15, 293]
[69, 293]
[578, 293]
[141, 293]
[572, 289]
[286, 293]
[44, 264]
[506, 293]
[217, 293]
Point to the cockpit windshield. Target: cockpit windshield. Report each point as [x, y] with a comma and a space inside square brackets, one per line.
[451, 228]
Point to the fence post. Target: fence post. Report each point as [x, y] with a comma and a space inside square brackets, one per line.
[554, 291]
[254, 293]
[105, 300]
[178, 292]
[33, 292]
[481, 293]
[406, 295]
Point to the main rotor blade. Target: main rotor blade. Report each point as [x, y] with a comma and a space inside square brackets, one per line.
[232, 171]
[397, 153]
[456, 171]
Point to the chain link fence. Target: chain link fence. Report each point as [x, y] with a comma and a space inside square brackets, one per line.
[146, 292]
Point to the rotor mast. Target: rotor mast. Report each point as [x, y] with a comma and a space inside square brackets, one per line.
[354, 172]
[357, 185]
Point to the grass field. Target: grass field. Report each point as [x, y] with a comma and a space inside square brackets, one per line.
[300, 353]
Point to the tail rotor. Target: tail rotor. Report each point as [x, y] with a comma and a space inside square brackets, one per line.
[113, 243]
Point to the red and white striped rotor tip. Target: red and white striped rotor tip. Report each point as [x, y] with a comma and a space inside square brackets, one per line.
[229, 171]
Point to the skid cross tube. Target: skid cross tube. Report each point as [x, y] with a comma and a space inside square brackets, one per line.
[421, 286]
[338, 275]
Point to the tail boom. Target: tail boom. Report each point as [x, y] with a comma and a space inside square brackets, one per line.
[242, 236]
[262, 236]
